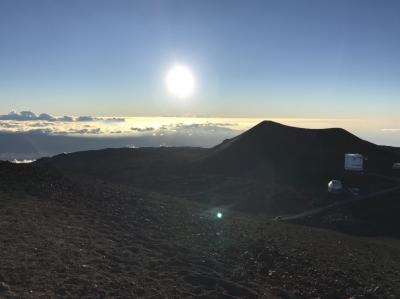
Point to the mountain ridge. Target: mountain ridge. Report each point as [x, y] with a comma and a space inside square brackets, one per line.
[274, 141]
[268, 150]
[270, 168]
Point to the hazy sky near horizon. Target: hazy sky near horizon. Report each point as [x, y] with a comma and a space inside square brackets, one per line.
[28, 136]
[300, 58]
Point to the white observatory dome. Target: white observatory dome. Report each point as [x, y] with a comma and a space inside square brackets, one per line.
[335, 186]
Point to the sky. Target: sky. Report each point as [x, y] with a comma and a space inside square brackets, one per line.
[89, 74]
[300, 58]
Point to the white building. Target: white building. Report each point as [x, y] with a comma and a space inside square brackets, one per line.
[353, 162]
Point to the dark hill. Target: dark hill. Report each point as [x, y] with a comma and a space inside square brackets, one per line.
[270, 168]
[267, 148]
[125, 164]
[271, 148]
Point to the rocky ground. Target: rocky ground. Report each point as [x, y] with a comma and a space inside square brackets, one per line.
[91, 239]
[371, 217]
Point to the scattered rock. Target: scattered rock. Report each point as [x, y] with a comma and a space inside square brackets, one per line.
[4, 287]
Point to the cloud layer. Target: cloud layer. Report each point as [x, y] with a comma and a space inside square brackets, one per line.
[29, 122]
[31, 116]
[28, 136]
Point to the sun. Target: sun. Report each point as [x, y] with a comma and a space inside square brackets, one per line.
[180, 81]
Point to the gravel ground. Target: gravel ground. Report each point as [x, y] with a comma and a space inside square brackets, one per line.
[92, 239]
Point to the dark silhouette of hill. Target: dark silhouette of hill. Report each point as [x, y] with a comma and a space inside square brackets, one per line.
[140, 166]
[287, 152]
[267, 147]
[103, 224]
[270, 168]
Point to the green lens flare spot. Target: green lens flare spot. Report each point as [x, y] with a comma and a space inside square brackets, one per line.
[219, 215]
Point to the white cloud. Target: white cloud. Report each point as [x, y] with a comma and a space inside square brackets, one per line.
[31, 116]
[85, 118]
[86, 125]
[146, 129]
[114, 119]
[34, 138]
[23, 161]
[26, 116]
[66, 119]
[197, 128]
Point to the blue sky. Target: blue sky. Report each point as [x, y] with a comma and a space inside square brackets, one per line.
[250, 58]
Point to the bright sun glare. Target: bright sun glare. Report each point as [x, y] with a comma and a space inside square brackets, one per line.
[180, 81]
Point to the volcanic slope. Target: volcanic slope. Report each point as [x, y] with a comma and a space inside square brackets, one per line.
[271, 168]
[62, 238]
